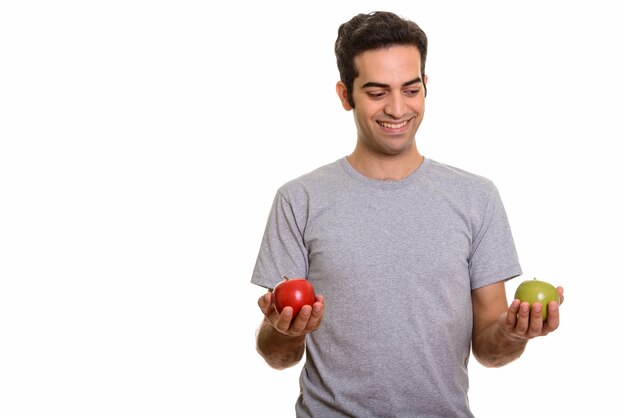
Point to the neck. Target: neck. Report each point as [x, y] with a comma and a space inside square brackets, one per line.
[386, 167]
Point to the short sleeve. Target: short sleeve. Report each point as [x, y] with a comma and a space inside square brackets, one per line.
[493, 256]
[282, 251]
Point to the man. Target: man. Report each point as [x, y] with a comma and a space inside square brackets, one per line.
[409, 256]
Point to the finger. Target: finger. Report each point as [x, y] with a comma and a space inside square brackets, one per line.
[284, 319]
[317, 313]
[552, 323]
[523, 318]
[536, 320]
[511, 315]
[265, 300]
[300, 322]
[561, 294]
[265, 303]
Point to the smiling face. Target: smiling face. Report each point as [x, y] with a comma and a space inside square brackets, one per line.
[388, 100]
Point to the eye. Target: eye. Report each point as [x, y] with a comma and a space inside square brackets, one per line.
[412, 92]
[376, 94]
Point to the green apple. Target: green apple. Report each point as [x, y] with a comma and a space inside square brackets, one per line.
[533, 291]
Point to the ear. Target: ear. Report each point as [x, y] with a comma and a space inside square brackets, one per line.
[342, 92]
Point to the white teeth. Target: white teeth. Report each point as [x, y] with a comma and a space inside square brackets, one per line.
[393, 125]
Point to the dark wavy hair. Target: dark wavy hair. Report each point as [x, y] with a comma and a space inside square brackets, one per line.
[374, 30]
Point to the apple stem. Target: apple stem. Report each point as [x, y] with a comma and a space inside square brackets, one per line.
[285, 277]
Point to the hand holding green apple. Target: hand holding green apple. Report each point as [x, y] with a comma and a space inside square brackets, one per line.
[537, 291]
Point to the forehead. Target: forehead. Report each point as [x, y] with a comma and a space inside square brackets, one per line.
[397, 63]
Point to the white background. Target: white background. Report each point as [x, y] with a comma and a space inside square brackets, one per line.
[141, 144]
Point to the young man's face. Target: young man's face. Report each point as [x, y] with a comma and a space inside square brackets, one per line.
[388, 97]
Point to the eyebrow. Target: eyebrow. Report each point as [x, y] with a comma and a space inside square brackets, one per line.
[383, 85]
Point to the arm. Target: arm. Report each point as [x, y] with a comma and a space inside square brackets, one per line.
[500, 334]
[280, 340]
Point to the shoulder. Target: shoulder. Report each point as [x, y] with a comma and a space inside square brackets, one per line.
[455, 178]
[455, 174]
[314, 181]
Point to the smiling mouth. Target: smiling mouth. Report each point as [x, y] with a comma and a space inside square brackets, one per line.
[393, 125]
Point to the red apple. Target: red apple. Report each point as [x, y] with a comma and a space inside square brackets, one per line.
[295, 292]
[533, 291]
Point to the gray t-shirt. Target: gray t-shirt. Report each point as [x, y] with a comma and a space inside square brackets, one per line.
[396, 261]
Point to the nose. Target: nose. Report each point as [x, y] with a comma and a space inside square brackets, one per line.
[395, 106]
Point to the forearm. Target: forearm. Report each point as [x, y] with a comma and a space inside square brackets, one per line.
[494, 348]
[280, 351]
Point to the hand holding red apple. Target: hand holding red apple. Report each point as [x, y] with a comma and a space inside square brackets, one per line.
[296, 293]
[295, 323]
